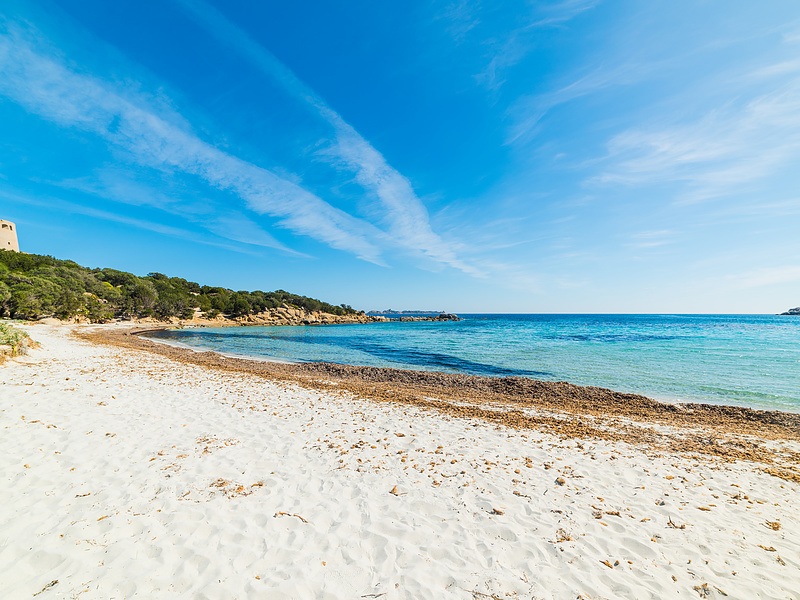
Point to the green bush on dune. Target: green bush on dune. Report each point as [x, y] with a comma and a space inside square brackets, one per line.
[34, 286]
[11, 337]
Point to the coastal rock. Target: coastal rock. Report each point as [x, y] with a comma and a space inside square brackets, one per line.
[792, 312]
[439, 317]
[286, 315]
[447, 317]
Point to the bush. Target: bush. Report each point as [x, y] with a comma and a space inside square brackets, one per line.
[17, 340]
[33, 286]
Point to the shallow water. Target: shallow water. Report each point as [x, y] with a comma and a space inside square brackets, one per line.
[745, 360]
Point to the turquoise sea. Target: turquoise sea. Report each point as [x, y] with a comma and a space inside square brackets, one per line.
[746, 360]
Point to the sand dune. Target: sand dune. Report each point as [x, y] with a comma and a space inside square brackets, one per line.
[130, 474]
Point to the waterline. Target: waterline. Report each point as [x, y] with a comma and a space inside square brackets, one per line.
[725, 359]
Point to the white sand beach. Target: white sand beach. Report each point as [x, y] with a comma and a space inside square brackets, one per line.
[127, 474]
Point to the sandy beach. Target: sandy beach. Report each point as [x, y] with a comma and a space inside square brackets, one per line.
[130, 471]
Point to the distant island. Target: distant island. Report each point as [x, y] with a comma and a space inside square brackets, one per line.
[389, 312]
[792, 311]
[413, 315]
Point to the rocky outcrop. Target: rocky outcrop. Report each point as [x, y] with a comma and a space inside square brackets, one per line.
[793, 312]
[447, 317]
[407, 313]
[287, 315]
[439, 317]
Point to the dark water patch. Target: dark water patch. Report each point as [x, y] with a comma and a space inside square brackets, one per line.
[428, 360]
[611, 338]
[231, 334]
[749, 360]
[402, 356]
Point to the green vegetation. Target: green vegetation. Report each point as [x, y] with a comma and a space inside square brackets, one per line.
[17, 340]
[33, 286]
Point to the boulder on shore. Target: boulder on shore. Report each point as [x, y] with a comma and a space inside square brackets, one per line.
[447, 317]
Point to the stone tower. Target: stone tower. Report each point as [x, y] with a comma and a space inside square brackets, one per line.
[8, 236]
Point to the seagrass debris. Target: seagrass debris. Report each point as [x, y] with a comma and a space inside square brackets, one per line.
[569, 411]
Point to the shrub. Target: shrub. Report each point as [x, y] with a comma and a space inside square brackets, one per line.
[18, 341]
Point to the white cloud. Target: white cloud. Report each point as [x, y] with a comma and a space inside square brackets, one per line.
[161, 139]
[461, 16]
[768, 276]
[793, 37]
[515, 45]
[730, 146]
[528, 111]
[236, 226]
[405, 215]
[779, 69]
[780, 209]
[653, 239]
[406, 218]
[119, 186]
[56, 204]
[558, 13]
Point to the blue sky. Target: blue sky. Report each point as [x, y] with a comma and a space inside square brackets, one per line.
[565, 156]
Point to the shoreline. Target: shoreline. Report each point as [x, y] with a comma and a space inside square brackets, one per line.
[404, 375]
[568, 410]
[661, 400]
[668, 371]
[131, 469]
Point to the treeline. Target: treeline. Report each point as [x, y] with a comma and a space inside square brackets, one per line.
[33, 286]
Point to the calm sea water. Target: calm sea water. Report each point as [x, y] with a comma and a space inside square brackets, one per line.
[726, 359]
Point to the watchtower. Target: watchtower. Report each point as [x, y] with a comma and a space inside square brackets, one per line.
[8, 236]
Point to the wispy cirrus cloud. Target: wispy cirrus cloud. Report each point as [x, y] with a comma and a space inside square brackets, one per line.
[782, 68]
[728, 147]
[792, 37]
[557, 13]
[35, 77]
[47, 203]
[512, 47]
[528, 111]
[767, 276]
[121, 187]
[406, 220]
[652, 239]
[712, 131]
[461, 17]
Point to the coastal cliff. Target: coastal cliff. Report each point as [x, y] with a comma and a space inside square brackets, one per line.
[792, 312]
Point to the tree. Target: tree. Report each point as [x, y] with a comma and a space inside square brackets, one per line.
[96, 310]
[5, 296]
[33, 298]
[33, 286]
[239, 305]
[140, 298]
